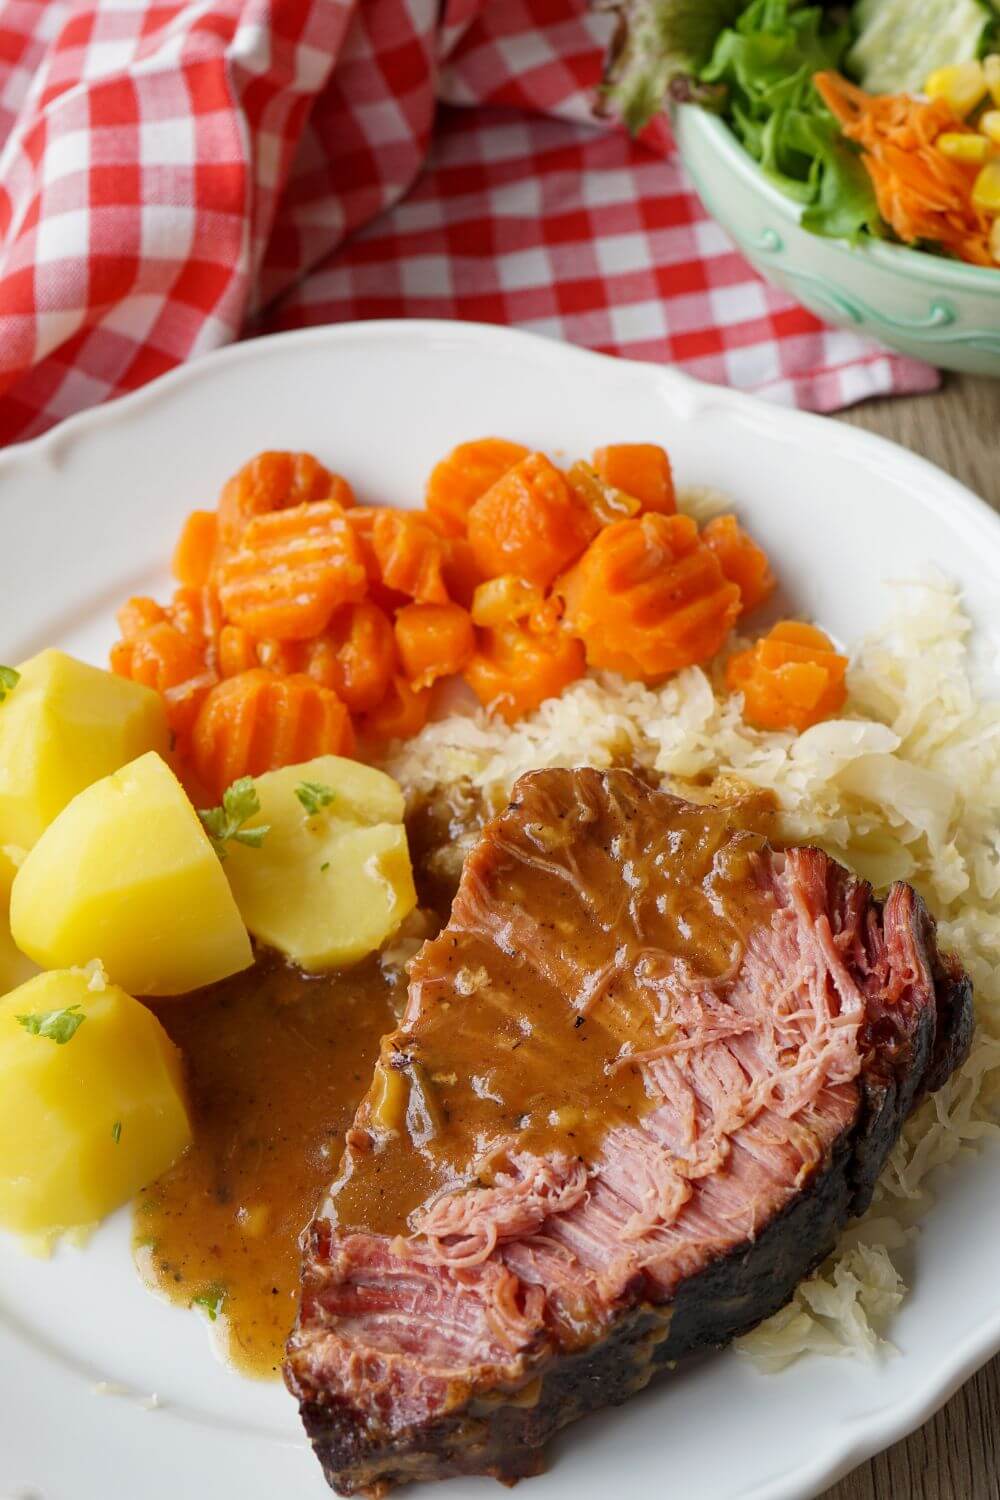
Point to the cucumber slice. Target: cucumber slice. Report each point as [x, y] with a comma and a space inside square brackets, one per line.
[901, 41]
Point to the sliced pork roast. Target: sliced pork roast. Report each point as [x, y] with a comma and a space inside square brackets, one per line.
[646, 1073]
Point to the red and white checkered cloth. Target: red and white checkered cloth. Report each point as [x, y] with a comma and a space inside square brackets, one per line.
[173, 175]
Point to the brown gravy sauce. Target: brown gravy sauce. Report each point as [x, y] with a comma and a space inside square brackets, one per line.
[512, 1054]
[277, 1064]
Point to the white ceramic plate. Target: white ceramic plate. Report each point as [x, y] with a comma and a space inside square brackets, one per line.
[89, 514]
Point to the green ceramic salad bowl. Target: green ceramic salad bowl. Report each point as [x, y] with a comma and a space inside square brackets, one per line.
[938, 310]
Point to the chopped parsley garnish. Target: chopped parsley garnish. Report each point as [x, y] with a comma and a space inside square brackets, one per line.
[116, 1131]
[314, 796]
[324, 866]
[212, 1299]
[9, 679]
[58, 1025]
[239, 802]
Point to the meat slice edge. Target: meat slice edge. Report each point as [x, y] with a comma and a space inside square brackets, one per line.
[519, 1307]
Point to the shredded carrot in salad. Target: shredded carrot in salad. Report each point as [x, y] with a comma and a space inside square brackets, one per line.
[924, 194]
[306, 623]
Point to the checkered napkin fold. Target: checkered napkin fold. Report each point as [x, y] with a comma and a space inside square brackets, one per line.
[176, 175]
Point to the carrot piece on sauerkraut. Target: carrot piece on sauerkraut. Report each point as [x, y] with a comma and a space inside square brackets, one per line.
[790, 679]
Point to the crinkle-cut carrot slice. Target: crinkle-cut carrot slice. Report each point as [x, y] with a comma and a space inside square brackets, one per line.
[410, 555]
[790, 679]
[160, 657]
[237, 651]
[362, 522]
[194, 554]
[642, 470]
[530, 523]
[434, 640]
[741, 560]
[648, 598]
[468, 471]
[292, 569]
[137, 614]
[275, 481]
[402, 713]
[258, 721]
[513, 670]
[356, 656]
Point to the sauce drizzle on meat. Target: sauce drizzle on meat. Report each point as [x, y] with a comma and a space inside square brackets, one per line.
[519, 1042]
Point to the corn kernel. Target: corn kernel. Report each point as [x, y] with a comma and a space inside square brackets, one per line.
[963, 147]
[989, 124]
[991, 72]
[962, 85]
[986, 188]
[995, 241]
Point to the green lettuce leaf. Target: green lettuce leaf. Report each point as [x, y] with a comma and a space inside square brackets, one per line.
[766, 63]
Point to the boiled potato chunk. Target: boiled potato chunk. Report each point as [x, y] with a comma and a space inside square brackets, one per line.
[325, 888]
[84, 1122]
[62, 727]
[15, 967]
[127, 874]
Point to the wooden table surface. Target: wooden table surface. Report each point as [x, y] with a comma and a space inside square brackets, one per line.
[955, 1456]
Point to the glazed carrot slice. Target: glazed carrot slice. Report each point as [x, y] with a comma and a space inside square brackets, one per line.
[197, 614]
[434, 640]
[402, 713]
[410, 555]
[284, 657]
[293, 568]
[741, 560]
[469, 470]
[258, 721]
[166, 659]
[237, 651]
[275, 481]
[640, 469]
[514, 670]
[159, 657]
[530, 523]
[135, 615]
[356, 656]
[649, 598]
[791, 679]
[195, 551]
[183, 703]
[361, 519]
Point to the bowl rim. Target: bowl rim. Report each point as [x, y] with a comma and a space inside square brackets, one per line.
[916, 263]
